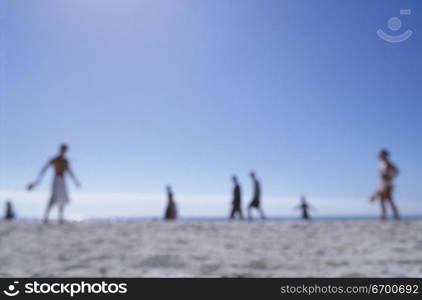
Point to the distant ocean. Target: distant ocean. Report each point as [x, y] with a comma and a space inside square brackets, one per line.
[225, 219]
[271, 219]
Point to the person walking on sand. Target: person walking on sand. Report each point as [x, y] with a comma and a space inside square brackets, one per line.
[304, 207]
[237, 200]
[59, 195]
[387, 171]
[9, 214]
[171, 210]
[256, 199]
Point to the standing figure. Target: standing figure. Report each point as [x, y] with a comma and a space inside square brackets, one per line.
[256, 199]
[388, 171]
[304, 207]
[59, 194]
[10, 213]
[171, 210]
[237, 200]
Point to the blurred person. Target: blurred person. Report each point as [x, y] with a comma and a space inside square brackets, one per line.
[59, 195]
[237, 200]
[9, 214]
[304, 207]
[387, 172]
[256, 198]
[171, 210]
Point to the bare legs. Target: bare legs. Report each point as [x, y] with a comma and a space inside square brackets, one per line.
[383, 210]
[48, 209]
[47, 212]
[395, 210]
[388, 201]
[236, 211]
[261, 212]
[61, 213]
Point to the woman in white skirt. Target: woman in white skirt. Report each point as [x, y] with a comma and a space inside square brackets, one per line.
[59, 194]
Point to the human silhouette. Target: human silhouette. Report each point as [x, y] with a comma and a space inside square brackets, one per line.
[171, 210]
[387, 172]
[256, 199]
[304, 207]
[237, 200]
[9, 213]
[59, 195]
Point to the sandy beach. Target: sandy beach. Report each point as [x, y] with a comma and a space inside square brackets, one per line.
[212, 249]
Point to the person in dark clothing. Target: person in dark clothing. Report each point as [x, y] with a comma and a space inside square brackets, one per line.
[304, 207]
[171, 210]
[256, 199]
[9, 214]
[237, 200]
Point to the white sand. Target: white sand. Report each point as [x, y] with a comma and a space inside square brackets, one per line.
[214, 249]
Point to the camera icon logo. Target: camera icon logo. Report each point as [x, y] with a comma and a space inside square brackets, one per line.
[11, 289]
[395, 24]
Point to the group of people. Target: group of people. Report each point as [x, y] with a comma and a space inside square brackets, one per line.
[256, 201]
[59, 196]
[237, 199]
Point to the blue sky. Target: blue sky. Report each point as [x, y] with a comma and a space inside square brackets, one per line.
[190, 92]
